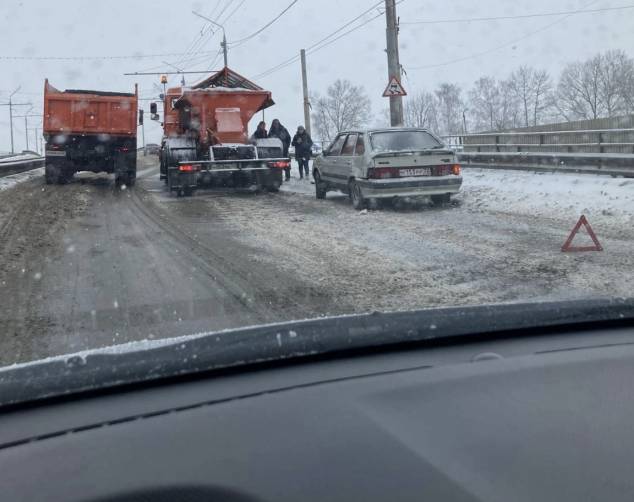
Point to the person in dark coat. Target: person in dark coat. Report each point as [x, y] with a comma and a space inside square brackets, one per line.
[279, 131]
[303, 150]
[260, 132]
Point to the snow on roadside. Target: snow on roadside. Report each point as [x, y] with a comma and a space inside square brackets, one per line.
[12, 180]
[550, 195]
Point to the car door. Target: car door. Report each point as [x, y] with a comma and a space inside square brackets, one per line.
[329, 165]
[359, 164]
[344, 168]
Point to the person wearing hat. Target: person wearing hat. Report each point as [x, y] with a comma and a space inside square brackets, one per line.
[277, 130]
[303, 149]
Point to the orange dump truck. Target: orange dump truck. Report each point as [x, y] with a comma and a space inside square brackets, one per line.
[206, 140]
[90, 131]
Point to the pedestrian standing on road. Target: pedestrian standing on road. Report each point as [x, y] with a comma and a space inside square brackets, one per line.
[260, 132]
[279, 131]
[303, 150]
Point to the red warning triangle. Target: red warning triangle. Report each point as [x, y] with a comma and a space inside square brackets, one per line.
[567, 247]
[394, 88]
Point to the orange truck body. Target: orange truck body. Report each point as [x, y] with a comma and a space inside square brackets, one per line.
[206, 138]
[90, 131]
[89, 112]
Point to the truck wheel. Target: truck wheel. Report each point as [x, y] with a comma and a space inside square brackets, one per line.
[320, 187]
[358, 202]
[188, 191]
[51, 174]
[131, 178]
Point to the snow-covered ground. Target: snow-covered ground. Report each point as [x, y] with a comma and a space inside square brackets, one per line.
[13, 179]
[603, 199]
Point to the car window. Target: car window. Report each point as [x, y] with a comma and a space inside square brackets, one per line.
[394, 141]
[360, 148]
[335, 148]
[348, 146]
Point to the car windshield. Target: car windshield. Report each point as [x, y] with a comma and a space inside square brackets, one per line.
[392, 141]
[173, 170]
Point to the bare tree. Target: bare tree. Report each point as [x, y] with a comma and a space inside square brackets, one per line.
[345, 106]
[509, 114]
[450, 108]
[531, 88]
[484, 103]
[420, 111]
[579, 90]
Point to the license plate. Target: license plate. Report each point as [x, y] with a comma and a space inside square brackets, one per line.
[425, 171]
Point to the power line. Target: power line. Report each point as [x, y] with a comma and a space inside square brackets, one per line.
[496, 48]
[256, 33]
[520, 16]
[312, 48]
[91, 58]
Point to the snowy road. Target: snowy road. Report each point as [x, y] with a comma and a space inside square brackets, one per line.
[85, 265]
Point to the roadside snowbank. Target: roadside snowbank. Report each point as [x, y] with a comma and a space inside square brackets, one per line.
[550, 195]
[12, 180]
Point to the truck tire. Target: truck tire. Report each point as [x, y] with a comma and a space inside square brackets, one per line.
[51, 174]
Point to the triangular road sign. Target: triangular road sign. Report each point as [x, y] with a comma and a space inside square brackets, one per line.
[394, 88]
[567, 247]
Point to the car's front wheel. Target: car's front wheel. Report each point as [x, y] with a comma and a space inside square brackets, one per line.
[358, 201]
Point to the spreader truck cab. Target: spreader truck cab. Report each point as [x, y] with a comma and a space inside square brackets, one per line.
[90, 131]
[206, 140]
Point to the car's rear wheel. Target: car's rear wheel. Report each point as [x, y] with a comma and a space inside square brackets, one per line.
[358, 201]
[440, 199]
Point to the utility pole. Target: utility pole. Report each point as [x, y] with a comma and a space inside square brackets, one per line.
[26, 125]
[11, 104]
[223, 44]
[393, 63]
[305, 90]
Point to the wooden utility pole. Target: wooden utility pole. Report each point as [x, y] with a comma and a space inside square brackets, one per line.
[393, 63]
[305, 90]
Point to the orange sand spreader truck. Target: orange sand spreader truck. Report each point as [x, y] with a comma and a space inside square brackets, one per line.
[206, 141]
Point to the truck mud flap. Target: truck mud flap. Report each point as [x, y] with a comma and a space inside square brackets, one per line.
[182, 183]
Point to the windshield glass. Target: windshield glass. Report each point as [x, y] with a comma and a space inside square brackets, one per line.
[403, 141]
[177, 169]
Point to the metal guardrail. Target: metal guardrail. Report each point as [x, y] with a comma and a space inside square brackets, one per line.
[9, 165]
[595, 151]
[611, 164]
[617, 140]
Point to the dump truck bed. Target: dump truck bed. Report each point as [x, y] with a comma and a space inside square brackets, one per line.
[85, 112]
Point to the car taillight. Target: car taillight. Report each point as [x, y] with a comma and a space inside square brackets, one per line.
[282, 164]
[123, 149]
[446, 170]
[188, 168]
[380, 173]
[455, 169]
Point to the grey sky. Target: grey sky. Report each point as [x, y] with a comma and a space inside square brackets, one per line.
[117, 27]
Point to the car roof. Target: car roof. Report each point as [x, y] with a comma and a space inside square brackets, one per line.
[384, 129]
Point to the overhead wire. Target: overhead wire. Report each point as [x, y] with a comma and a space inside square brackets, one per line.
[257, 32]
[498, 47]
[519, 16]
[315, 46]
